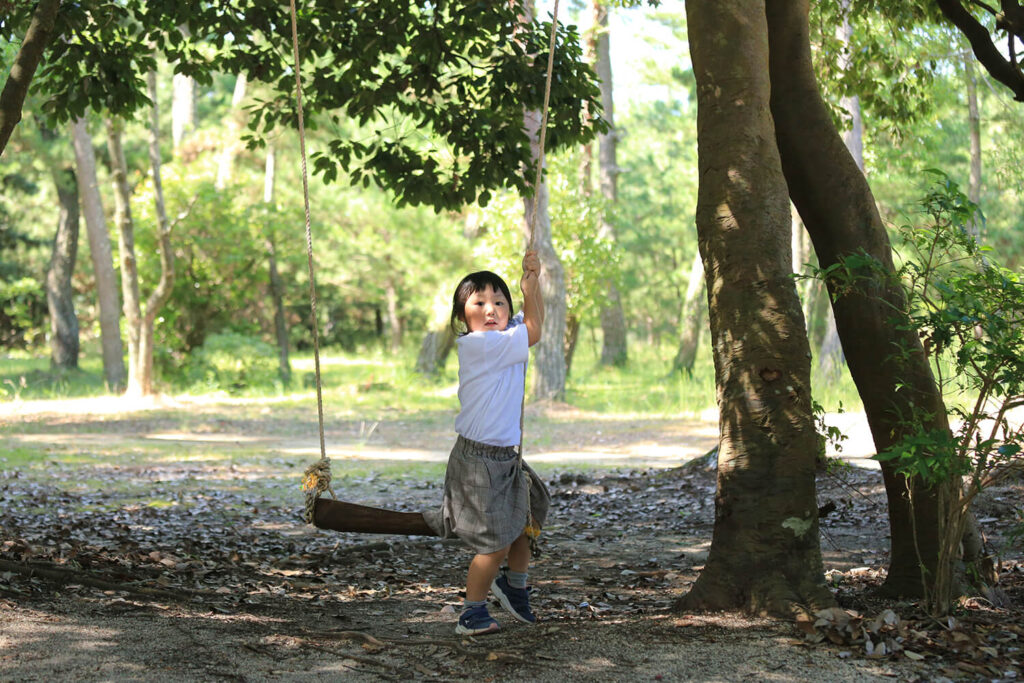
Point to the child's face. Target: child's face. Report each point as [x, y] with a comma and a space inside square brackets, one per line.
[486, 310]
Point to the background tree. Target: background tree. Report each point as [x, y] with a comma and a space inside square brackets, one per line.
[613, 323]
[64, 342]
[102, 256]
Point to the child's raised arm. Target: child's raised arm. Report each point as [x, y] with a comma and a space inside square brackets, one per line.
[533, 302]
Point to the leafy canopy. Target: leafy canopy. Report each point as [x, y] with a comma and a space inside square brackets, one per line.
[438, 89]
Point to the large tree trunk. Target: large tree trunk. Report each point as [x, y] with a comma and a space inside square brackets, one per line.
[691, 321]
[613, 322]
[276, 285]
[102, 257]
[59, 294]
[23, 68]
[126, 250]
[839, 211]
[765, 553]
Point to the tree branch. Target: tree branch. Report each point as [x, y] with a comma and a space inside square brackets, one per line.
[983, 47]
[24, 68]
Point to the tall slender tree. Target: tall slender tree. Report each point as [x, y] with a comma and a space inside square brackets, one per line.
[102, 256]
[284, 367]
[64, 342]
[613, 322]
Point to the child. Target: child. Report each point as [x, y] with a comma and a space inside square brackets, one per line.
[485, 491]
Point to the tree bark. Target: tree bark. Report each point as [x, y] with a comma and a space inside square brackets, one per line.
[23, 68]
[64, 344]
[132, 303]
[691, 321]
[572, 335]
[613, 322]
[162, 292]
[839, 211]
[974, 136]
[276, 285]
[183, 106]
[102, 258]
[434, 350]
[549, 358]
[765, 552]
[549, 352]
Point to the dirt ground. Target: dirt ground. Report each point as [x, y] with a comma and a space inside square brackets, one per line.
[220, 580]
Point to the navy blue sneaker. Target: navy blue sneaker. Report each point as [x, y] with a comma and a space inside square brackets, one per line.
[516, 601]
[476, 621]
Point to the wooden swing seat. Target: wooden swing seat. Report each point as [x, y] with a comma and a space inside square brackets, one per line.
[338, 515]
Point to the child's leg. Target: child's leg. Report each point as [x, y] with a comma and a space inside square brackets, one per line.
[482, 571]
[510, 588]
[519, 554]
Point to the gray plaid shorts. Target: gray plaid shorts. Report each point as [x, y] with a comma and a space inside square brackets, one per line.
[484, 500]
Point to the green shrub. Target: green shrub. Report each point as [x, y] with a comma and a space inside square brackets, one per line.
[231, 362]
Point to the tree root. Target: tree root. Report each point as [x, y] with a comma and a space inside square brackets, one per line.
[67, 575]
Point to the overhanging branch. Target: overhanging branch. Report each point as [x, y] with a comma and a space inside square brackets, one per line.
[25, 63]
[984, 49]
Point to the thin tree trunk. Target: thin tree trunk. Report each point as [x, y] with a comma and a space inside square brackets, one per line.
[839, 211]
[102, 257]
[23, 68]
[434, 350]
[162, 292]
[64, 343]
[183, 105]
[230, 142]
[691, 320]
[276, 284]
[549, 358]
[974, 135]
[830, 348]
[572, 335]
[613, 322]
[394, 322]
[129, 267]
[765, 551]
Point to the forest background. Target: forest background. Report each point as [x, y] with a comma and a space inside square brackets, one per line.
[384, 273]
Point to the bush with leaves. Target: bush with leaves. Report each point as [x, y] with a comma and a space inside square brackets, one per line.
[232, 362]
[968, 312]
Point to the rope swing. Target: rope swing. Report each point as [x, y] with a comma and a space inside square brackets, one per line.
[316, 480]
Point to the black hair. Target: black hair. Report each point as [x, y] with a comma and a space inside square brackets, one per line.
[470, 285]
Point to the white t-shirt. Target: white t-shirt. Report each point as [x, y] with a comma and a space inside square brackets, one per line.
[491, 369]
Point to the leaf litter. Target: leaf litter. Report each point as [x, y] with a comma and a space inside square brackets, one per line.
[194, 541]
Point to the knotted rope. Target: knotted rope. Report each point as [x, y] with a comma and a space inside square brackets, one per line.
[317, 478]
